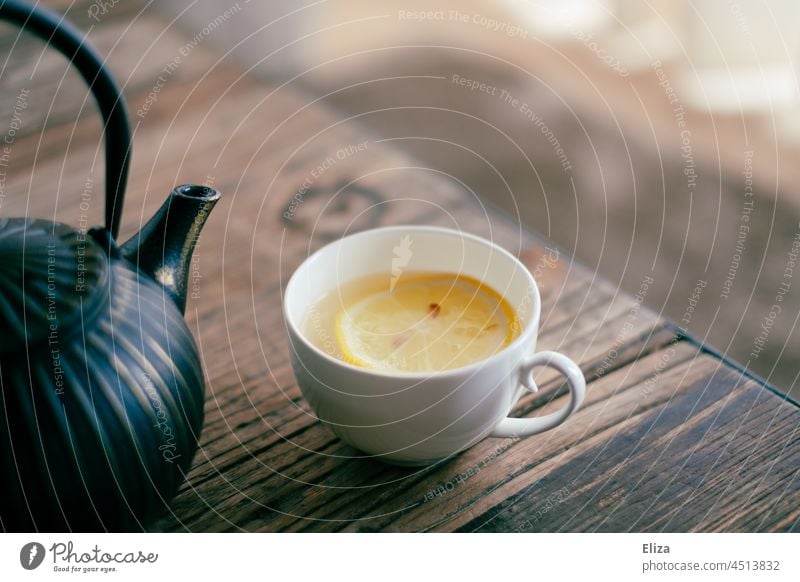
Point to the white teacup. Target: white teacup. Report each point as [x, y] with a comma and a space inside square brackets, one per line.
[420, 418]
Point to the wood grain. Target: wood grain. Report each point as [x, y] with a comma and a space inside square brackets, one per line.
[669, 439]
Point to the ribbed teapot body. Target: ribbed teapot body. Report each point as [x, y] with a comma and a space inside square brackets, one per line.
[100, 419]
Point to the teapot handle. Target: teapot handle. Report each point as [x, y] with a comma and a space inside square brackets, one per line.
[56, 31]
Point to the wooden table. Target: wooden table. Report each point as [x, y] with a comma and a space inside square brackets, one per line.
[670, 438]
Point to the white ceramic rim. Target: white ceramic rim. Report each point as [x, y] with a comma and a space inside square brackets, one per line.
[531, 326]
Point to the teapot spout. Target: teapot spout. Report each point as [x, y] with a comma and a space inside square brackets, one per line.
[163, 248]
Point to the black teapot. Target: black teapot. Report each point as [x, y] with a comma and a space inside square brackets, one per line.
[101, 383]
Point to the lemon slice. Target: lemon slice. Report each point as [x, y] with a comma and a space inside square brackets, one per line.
[426, 323]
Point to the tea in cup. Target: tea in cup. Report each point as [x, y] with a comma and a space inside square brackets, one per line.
[417, 322]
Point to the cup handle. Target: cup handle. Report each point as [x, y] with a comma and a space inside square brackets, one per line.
[522, 427]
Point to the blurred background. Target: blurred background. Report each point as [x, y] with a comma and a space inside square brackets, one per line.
[647, 139]
[655, 138]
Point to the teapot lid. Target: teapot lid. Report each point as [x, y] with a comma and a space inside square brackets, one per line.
[52, 278]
